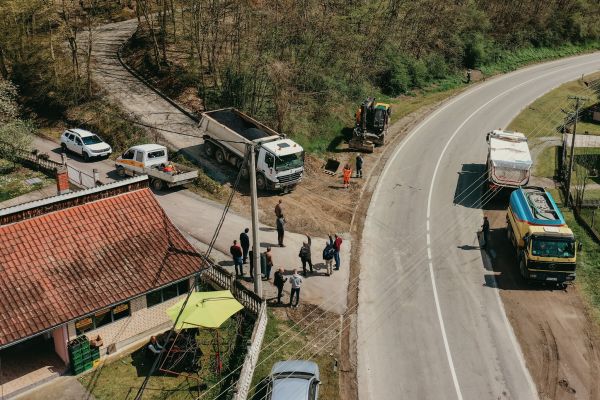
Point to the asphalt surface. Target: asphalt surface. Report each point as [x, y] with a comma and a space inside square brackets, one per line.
[431, 324]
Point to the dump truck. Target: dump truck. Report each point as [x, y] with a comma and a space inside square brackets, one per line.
[372, 120]
[152, 160]
[227, 135]
[545, 246]
[509, 161]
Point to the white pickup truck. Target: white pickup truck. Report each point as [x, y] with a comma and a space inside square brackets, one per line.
[509, 161]
[152, 160]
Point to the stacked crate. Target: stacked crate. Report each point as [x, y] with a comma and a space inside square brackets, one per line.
[82, 355]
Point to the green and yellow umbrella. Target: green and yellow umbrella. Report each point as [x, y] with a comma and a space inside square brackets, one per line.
[205, 310]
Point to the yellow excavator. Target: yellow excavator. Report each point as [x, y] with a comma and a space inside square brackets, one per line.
[372, 120]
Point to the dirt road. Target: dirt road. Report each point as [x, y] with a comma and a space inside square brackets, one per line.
[559, 341]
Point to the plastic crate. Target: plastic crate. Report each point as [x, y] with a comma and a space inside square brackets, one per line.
[88, 365]
[76, 358]
[78, 370]
[95, 353]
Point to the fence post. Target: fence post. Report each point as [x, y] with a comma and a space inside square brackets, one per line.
[96, 176]
[63, 158]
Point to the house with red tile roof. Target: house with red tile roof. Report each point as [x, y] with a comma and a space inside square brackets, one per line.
[103, 262]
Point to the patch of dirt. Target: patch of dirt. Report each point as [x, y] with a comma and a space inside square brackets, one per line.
[559, 340]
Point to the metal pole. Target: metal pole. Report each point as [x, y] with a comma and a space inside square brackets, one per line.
[255, 240]
[570, 170]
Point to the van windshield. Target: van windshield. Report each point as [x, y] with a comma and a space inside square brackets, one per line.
[545, 247]
[289, 161]
[91, 139]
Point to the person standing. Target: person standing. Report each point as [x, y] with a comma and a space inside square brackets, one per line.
[337, 246]
[245, 242]
[269, 262]
[359, 164]
[305, 255]
[296, 282]
[236, 253]
[280, 229]
[328, 255]
[278, 281]
[347, 173]
[485, 229]
[279, 209]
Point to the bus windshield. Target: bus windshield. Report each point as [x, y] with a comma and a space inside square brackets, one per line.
[289, 161]
[545, 247]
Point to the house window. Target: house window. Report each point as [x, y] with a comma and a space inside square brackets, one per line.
[102, 318]
[168, 292]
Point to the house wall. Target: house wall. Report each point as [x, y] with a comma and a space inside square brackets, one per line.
[142, 322]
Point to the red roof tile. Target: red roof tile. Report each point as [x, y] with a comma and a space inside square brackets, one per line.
[60, 266]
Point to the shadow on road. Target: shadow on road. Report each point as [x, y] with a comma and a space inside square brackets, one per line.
[472, 191]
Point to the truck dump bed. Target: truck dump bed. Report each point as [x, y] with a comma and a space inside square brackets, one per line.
[509, 158]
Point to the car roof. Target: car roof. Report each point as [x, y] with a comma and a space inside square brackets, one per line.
[288, 388]
[81, 132]
[148, 147]
[303, 366]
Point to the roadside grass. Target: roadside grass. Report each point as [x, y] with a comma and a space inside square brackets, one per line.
[544, 117]
[545, 163]
[510, 60]
[121, 378]
[588, 264]
[289, 343]
[12, 180]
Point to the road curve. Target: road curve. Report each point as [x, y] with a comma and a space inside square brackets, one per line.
[431, 324]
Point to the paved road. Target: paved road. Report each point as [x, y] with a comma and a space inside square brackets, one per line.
[430, 323]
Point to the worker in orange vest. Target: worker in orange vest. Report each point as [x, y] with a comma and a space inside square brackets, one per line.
[347, 174]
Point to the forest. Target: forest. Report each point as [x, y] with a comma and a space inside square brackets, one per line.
[300, 65]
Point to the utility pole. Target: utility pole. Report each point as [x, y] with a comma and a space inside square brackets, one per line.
[578, 101]
[255, 240]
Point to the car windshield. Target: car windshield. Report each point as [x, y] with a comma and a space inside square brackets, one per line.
[289, 161]
[544, 247]
[91, 139]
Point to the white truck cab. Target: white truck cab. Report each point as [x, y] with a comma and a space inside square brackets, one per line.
[153, 160]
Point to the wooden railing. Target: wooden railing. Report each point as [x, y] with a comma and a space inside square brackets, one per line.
[220, 277]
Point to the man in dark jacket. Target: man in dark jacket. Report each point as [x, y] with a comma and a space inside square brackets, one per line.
[245, 243]
[485, 229]
[359, 164]
[278, 281]
[305, 255]
[280, 230]
[236, 253]
[328, 252]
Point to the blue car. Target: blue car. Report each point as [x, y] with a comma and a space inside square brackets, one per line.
[294, 380]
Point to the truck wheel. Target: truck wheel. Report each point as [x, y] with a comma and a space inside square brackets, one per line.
[261, 182]
[220, 156]
[63, 148]
[120, 171]
[209, 149]
[158, 185]
[86, 156]
[239, 164]
[522, 269]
